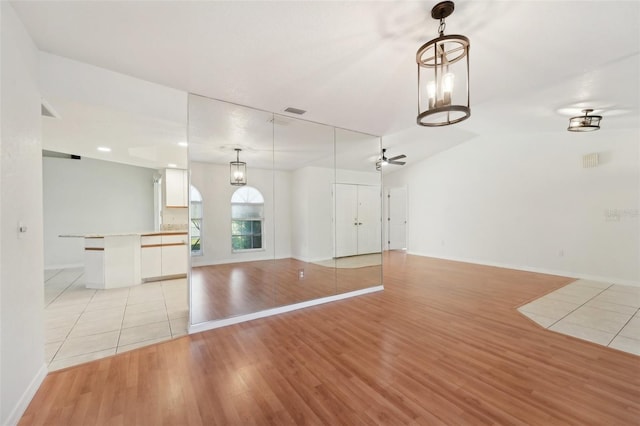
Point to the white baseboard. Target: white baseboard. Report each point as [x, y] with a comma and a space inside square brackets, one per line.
[28, 394]
[210, 325]
[570, 274]
[65, 266]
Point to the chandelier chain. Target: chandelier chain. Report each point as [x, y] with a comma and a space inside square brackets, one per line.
[442, 26]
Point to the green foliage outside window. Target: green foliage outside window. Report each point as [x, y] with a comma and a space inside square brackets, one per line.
[246, 234]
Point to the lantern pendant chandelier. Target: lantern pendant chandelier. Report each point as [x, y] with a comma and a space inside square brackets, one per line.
[238, 170]
[584, 123]
[443, 75]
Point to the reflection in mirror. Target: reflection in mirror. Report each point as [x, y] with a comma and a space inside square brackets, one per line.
[273, 242]
[305, 151]
[232, 273]
[358, 211]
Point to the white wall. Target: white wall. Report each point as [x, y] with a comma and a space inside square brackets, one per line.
[312, 209]
[312, 214]
[524, 201]
[213, 183]
[90, 196]
[22, 366]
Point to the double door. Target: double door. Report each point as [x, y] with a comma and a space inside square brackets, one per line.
[357, 219]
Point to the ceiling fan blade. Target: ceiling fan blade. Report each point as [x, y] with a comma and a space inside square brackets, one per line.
[397, 157]
[399, 163]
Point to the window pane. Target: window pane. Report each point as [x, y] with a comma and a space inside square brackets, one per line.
[196, 210]
[240, 242]
[257, 226]
[235, 227]
[195, 244]
[257, 241]
[247, 211]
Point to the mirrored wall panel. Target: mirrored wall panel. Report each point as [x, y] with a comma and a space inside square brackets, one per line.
[358, 211]
[272, 199]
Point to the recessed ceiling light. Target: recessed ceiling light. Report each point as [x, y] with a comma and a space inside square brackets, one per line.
[172, 165]
[104, 149]
[183, 144]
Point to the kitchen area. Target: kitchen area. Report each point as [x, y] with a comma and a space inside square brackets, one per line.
[125, 259]
[120, 290]
[116, 213]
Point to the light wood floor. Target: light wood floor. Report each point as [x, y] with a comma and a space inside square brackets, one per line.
[443, 344]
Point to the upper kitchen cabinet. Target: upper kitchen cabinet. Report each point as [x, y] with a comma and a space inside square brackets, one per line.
[176, 184]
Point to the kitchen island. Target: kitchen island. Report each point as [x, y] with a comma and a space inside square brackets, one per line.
[129, 259]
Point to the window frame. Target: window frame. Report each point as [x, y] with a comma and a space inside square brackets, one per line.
[248, 219]
[199, 252]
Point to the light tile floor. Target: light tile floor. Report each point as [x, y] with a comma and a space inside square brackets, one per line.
[83, 324]
[602, 313]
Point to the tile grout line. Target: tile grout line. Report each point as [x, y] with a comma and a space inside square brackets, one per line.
[63, 290]
[75, 322]
[622, 328]
[580, 306]
[124, 314]
[166, 311]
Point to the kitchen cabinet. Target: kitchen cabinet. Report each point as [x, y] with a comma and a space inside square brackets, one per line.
[176, 193]
[163, 255]
[112, 261]
[150, 256]
[174, 254]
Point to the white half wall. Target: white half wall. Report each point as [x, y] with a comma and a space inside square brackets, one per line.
[212, 180]
[525, 201]
[22, 366]
[90, 196]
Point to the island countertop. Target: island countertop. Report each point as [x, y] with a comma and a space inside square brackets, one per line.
[125, 259]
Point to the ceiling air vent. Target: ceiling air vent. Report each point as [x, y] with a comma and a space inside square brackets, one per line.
[46, 110]
[295, 110]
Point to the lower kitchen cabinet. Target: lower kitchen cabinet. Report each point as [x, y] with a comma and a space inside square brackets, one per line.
[163, 255]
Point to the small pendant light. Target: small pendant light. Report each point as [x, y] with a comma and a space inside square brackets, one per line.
[238, 171]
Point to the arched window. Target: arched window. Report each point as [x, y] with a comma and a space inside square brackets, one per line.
[247, 214]
[195, 211]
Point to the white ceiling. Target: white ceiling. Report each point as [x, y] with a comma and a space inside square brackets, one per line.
[352, 63]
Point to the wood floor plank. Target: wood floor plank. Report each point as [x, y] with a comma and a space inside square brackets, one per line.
[443, 344]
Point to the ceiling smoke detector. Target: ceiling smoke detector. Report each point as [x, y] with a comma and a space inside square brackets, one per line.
[293, 110]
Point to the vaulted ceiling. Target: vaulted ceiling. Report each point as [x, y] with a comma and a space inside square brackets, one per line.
[352, 63]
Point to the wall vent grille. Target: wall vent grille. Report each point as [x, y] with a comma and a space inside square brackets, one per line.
[590, 160]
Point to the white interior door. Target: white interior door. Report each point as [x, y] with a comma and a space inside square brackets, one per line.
[369, 219]
[346, 219]
[397, 218]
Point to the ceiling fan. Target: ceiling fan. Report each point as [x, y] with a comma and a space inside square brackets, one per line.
[393, 160]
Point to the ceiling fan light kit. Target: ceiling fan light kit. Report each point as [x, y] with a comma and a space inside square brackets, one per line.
[238, 170]
[383, 161]
[443, 75]
[585, 123]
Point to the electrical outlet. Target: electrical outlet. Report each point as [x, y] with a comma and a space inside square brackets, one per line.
[301, 274]
[22, 229]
